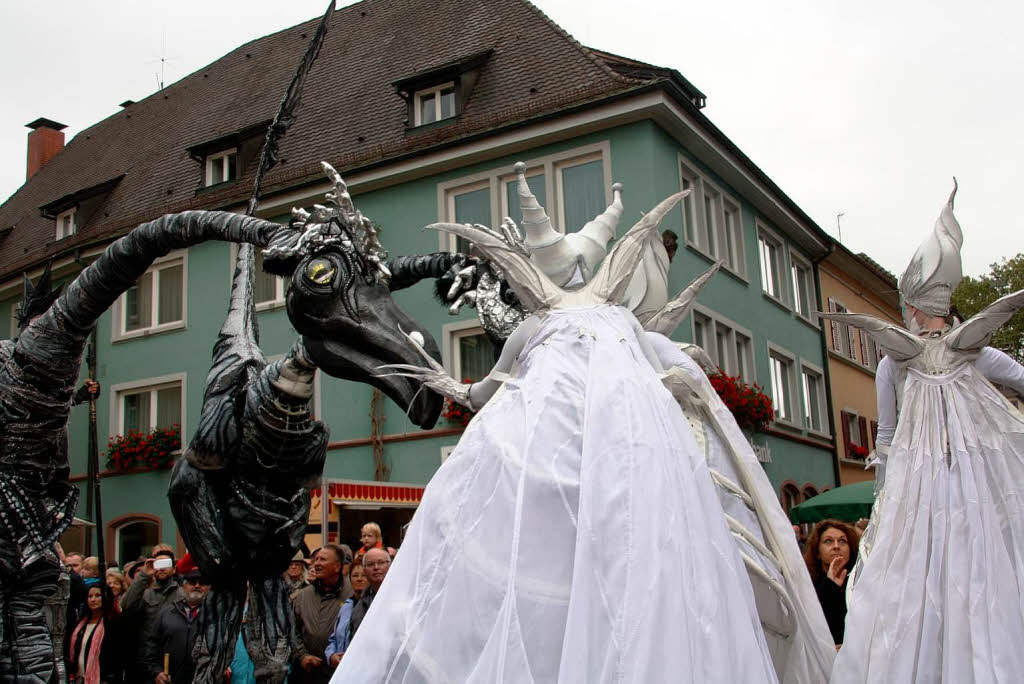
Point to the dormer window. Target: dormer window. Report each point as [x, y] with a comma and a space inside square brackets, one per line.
[434, 104]
[222, 167]
[440, 93]
[66, 226]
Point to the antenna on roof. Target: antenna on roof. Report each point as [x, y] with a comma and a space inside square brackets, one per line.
[160, 78]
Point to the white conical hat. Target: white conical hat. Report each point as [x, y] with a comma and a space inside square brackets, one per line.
[570, 260]
[935, 270]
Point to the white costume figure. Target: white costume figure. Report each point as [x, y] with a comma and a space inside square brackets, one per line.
[575, 534]
[939, 593]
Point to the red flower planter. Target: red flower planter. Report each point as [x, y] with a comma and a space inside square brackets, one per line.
[140, 451]
[751, 407]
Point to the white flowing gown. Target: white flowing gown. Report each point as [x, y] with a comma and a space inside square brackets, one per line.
[574, 535]
[940, 597]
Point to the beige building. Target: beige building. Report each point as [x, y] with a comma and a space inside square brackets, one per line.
[855, 283]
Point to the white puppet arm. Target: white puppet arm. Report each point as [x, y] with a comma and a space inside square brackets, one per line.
[474, 395]
[1001, 369]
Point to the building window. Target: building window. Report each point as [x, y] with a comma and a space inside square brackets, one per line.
[814, 398]
[143, 408]
[221, 167]
[855, 435]
[803, 286]
[156, 301]
[730, 243]
[810, 491]
[569, 185]
[711, 220]
[470, 204]
[868, 350]
[472, 354]
[843, 335]
[580, 191]
[135, 538]
[728, 345]
[66, 224]
[690, 180]
[790, 497]
[781, 367]
[434, 104]
[770, 254]
[702, 331]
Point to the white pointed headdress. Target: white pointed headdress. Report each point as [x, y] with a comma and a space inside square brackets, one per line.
[935, 270]
[569, 259]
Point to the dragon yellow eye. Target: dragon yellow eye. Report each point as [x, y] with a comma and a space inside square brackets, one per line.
[320, 271]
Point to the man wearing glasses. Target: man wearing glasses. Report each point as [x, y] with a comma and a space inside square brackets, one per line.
[376, 562]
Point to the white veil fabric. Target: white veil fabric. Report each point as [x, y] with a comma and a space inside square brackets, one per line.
[575, 533]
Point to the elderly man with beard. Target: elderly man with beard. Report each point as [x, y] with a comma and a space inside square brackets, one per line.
[174, 634]
[295, 575]
[376, 562]
[316, 612]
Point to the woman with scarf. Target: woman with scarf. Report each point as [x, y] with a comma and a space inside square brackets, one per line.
[94, 650]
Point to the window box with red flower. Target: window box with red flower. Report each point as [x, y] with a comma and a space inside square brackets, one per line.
[144, 451]
[749, 405]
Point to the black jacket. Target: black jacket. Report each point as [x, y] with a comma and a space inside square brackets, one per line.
[359, 611]
[833, 603]
[174, 634]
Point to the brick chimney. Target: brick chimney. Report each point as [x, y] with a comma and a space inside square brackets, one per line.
[45, 141]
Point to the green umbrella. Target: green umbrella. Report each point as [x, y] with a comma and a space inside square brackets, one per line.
[849, 503]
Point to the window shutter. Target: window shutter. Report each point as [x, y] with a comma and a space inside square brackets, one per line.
[835, 326]
[852, 336]
[844, 418]
[874, 433]
[862, 422]
[864, 348]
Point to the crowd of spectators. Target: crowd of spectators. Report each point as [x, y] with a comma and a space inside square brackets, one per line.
[140, 622]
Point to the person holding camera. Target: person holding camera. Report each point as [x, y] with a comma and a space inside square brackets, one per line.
[154, 587]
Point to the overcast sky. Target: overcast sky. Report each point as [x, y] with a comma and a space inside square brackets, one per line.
[861, 108]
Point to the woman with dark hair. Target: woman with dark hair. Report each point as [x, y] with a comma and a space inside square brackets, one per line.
[830, 553]
[93, 652]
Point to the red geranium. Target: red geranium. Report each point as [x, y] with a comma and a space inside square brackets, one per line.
[749, 405]
[134, 450]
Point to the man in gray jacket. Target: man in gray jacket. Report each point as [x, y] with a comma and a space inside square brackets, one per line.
[154, 587]
[316, 611]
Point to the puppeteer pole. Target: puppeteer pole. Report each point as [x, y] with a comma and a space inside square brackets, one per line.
[94, 461]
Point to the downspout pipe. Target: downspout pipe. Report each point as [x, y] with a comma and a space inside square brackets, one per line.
[825, 366]
[93, 499]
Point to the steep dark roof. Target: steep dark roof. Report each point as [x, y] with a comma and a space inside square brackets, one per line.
[350, 116]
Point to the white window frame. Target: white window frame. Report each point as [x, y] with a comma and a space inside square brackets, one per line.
[495, 177]
[280, 285]
[771, 236]
[847, 336]
[118, 322]
[733, 365]
[436, 92]
[451, 334]
[229, 172]
[797, 261]
[790, 359]
[59, 223]
[446, 451]
[710, 230]
[811, 369]
[118, 391]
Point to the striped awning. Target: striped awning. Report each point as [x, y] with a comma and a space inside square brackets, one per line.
[355, 491]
